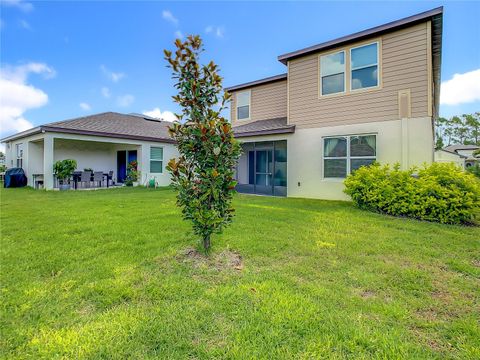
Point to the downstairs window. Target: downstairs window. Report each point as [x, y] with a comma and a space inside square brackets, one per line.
[344, 154]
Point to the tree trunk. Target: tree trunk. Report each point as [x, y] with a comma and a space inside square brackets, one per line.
[206, 242]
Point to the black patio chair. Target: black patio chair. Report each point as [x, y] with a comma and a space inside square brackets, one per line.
[98, 178]
[86, 178]
[110, 177]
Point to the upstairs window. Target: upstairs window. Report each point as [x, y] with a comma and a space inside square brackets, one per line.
[344, 154]
[364, 66]
[243, 105]
[156, 160]
[19, 151]
[332, 73]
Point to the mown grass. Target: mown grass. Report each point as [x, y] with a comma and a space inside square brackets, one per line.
[100, 274]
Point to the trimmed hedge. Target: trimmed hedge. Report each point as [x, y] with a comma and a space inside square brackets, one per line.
[438, 192]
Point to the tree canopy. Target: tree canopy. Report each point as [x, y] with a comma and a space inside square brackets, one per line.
[203, 175]
[463, 129]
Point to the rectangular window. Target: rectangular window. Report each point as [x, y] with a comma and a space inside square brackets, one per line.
[243, 105]
[344, 154]
[156, 160]
[364, 66]
[332, 73]
[19, 151]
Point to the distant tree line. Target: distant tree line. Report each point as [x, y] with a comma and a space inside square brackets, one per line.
[463, 129]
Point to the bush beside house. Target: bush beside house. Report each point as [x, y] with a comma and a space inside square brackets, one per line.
[438, 192]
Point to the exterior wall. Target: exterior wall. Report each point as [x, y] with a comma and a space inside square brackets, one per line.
[267, 101]
[404, 66]
[406, 141]
[447, 157]
[35, 158]
[98, 153]
[88, 154]
[305, 153]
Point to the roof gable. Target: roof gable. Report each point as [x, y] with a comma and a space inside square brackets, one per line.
[108, 124]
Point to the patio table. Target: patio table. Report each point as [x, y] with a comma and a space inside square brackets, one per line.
[77, 175]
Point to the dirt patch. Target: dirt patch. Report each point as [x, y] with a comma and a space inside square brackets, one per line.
[427, 314]
[367, 294]
[476, 262]
[226, 260]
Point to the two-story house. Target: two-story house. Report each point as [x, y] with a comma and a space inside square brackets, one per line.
[369, 96]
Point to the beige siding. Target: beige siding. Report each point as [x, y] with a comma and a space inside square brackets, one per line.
[268, 101]
[403, 63]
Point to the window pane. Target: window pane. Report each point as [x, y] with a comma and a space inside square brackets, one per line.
[335, 168]
[356, 163]
[19, 150]
[364, 78]
[263, 180]
[333, 84]
[156, 153]
[243, 112]
[335, 147]
[243, 98]
[261, 161]
[365, 55]
[156, 166]
[332, 64]
[363, 145]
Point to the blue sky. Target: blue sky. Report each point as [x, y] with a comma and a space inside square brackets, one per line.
[69, 59]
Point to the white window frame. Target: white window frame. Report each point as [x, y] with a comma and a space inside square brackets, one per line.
[347, 157]
[18, 156]
[249, 105]
[344, 73]
[377, 64]
[150, 159]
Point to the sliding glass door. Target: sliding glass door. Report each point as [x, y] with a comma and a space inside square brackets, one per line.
[262, 168]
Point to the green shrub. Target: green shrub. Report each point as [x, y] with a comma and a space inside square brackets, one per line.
[438, 192]
[474, 169]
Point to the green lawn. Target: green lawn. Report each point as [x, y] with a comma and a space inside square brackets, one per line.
[104, 274]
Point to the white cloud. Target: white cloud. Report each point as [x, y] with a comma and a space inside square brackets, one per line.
[164, 115]
[20, 4]
[17, 96]
[178, 34]
[24, 24]
[218, 31]
[113, 76]
[106, 92]
[462, 88]
[167, 15]
[19, 73]
[125, 100]
[85, 106]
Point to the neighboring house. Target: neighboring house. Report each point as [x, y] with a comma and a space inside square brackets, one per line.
[466, 151]
[102, 142]
[369, 96]
[447, 156]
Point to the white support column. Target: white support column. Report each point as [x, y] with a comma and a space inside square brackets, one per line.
[143, 163]
[48, 150]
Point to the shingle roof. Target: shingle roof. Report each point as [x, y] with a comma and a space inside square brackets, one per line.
[258, 82]
[453, 152]
[264, 127]
[461, 147]
[109, 124]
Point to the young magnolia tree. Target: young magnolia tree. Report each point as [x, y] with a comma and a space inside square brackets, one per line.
[203, 174]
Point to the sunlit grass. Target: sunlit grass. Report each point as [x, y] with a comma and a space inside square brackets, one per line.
[101, 274]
